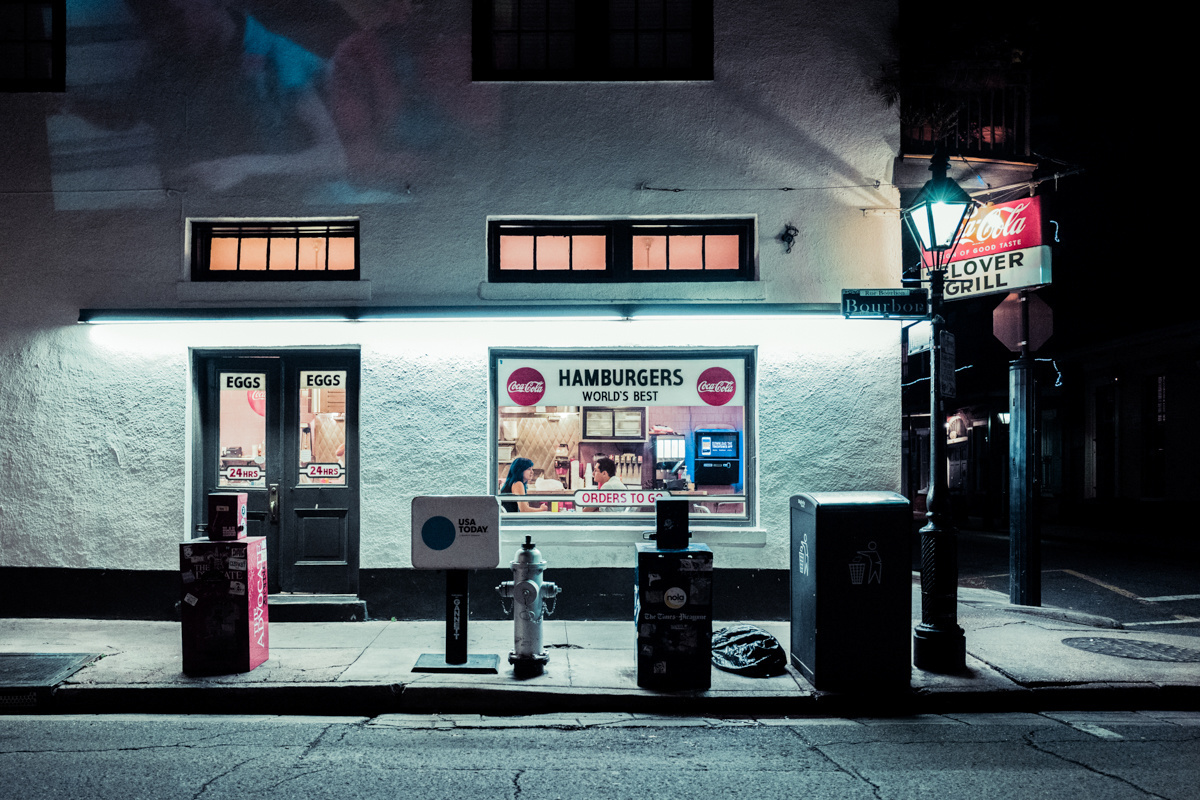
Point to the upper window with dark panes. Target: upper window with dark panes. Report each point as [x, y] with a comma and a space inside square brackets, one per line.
[33, 46]
[607, 251]
[287, 250]
[593, 40]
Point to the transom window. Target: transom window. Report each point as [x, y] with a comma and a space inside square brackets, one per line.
[593, 40]
[538, 251]
[322, 250]
[33, 46]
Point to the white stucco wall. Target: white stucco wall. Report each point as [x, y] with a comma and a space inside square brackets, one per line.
[94, 421]
[96, 469]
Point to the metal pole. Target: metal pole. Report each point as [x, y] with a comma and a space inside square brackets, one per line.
[1024, 554]
[939, 644]
[456, 616]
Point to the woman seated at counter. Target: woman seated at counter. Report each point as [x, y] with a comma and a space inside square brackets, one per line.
[520, 473]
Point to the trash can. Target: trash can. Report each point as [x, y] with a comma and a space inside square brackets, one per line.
[673, 610]
[851, 590]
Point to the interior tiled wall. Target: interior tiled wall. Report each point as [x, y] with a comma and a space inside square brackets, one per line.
[539, 437]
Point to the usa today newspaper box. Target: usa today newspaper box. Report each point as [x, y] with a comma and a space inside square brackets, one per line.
[456, 534]
[673, 610]
[851, 590]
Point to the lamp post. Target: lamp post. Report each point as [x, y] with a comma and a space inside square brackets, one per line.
[935, 220]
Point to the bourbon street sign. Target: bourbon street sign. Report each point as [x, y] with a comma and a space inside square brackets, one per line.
[885, 303]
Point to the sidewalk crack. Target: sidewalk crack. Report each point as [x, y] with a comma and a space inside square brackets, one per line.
[366, 647]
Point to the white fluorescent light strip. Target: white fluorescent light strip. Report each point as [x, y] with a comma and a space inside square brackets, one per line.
[649, 314]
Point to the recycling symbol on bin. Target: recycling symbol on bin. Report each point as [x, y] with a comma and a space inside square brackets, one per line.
[866, 565]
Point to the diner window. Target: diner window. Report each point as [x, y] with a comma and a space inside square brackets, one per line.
[565, 251]
[33, 46]
[270, 251]
[605, 435]
[582, 40]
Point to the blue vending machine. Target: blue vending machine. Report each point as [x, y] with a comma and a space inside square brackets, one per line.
[715, 458]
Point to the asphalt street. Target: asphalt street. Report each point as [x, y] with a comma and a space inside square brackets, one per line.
[1147, 590]
[1077, 755]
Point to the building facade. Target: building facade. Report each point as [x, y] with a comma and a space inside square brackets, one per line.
[316, 253]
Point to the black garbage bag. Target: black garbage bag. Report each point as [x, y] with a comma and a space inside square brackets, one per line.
[748, 650]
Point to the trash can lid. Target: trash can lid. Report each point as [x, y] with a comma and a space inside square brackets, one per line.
[810, 500]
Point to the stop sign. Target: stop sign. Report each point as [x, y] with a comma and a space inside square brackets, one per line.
[1007, 322]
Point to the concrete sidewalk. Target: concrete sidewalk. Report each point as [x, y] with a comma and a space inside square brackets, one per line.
[1016, 661]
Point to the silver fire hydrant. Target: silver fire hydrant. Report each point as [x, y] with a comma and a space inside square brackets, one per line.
[529, 594]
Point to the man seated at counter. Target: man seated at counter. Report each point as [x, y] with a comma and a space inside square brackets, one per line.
[520, 473]
[605, 474]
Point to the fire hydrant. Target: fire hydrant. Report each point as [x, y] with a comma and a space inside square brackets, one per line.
[529, 595]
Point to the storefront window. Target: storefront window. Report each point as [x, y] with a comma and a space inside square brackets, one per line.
[610, 434]
[243, 430]
[323, 427]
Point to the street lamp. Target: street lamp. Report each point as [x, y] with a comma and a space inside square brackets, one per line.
[935, 220]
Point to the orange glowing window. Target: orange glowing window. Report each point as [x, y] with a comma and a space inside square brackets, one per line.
[554, 253]
[591, 251]
[283, 254]
[686, 252]
[224, 254]
[516, 252]
[721, 252]
[253, 255]
[283, 250]
[343, 253]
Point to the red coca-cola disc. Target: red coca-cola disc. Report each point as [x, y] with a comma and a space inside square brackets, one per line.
[526, 386]
[716, 386]
[257, 399]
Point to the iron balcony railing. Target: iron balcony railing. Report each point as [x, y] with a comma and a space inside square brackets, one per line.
[988, 122]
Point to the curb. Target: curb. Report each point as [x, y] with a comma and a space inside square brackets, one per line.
[378, 699]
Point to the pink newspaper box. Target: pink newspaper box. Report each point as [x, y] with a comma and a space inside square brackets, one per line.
[227, 515]
[223, 586]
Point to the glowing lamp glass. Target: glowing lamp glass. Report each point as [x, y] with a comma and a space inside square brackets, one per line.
[938, 213]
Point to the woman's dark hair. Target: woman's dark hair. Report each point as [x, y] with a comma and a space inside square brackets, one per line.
[515, 471]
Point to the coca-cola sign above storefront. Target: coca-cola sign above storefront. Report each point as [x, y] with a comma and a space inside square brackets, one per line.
[526, 386]
[716, 386]
[999, 228]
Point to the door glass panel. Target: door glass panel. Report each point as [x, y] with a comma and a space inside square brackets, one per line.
[323, 427]
[243, 429]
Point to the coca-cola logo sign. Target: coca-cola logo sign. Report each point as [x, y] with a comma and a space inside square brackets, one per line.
[999, 228]
[526, 386]
[257, 399]
[997, 222]
[716, 386]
